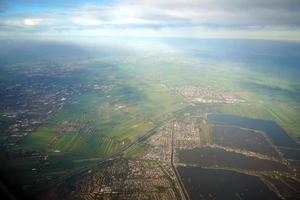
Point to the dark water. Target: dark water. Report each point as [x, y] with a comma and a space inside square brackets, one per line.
[293, 154]
[222, 184]
[246, 139]
[216, 157]
[277, 135]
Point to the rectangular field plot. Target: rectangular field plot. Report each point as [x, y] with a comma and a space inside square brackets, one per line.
[217, 157]
[243, 139]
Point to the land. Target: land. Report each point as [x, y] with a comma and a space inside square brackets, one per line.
[125, 127]
[121, 179]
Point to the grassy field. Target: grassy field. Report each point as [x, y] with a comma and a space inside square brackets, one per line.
[39, 139]
[136, 150]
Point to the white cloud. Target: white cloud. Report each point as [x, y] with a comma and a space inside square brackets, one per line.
[87, 21]
[31, 21]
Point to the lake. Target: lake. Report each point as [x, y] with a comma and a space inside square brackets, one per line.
[277, 135]
[222, 184]
[217, 157]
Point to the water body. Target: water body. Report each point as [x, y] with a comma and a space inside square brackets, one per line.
[216, 157]
[293, 154]
[223, 184]
[277, 135]
[245, 139]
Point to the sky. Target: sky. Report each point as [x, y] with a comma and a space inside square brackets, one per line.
[75, 19]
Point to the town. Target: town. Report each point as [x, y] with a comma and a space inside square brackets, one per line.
[207, 95]
[122, 178]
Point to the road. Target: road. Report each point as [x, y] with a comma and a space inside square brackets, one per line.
[183, 190]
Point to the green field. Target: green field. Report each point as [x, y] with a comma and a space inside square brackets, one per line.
[39, 139]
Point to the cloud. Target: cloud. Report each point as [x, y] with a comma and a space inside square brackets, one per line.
[193, 18]
[31, 22]
[87, 21]
[240, 13]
